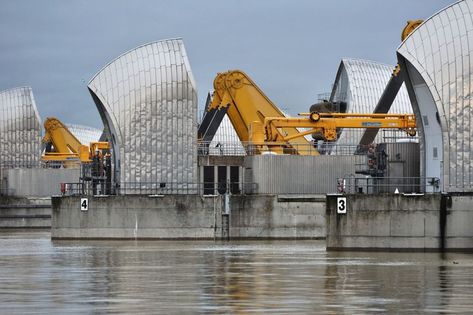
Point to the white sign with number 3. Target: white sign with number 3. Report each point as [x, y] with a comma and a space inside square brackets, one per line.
[342, 205]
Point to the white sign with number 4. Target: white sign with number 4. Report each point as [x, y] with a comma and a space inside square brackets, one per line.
[342, 205]
[84, 204]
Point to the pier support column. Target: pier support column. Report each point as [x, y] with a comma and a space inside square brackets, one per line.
[420, 222]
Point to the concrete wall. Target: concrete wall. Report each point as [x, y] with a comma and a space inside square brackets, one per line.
[21, 212]
[400, 222]
[188, 217]
[459, 222]
[283, 216]
[38, 182]
[130, 217]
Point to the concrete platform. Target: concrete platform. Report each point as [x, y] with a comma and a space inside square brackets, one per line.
[25, 212]
[187, 217]
[431, 222]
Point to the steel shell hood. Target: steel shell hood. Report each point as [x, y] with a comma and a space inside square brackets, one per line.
[360, 83]
[85, 134]
[226, 141]
[148, 103]
[438, 58]
[20, 129]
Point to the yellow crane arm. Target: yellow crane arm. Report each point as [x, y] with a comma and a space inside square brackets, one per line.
[65, 145]
[246, 103]
[326, 124]
[61, 138]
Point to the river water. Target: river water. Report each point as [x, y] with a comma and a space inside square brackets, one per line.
[181, 277]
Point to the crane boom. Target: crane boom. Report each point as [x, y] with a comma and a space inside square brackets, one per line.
[261, 123]
[246, 103]
[65, 146]
[326, 124]
[59, 135]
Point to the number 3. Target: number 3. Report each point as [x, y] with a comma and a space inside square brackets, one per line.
[342, 205]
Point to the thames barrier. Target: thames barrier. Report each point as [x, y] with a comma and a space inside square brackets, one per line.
[149, 202]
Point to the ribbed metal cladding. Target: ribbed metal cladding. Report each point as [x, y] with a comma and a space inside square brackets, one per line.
[294, 174]
[20, 129]
[360, 83]
[85, 134]
[226, 140]
[147, 100]
[438, 56]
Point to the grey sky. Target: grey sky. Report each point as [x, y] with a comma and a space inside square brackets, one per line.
[291, 48]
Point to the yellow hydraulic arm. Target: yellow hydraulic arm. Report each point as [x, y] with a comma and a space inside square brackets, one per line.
[65, 145]
[326, 124]
[246, 103]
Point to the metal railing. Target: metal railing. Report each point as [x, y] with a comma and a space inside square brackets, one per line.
[393, 135]
[341, 149]
[17, 164]
[73, 163]
[323, 96]
[237, 148]
[156, 188]
[376, 185]
[221, 148]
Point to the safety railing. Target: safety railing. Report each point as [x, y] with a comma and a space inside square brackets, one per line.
[237, 148]
[376, 185]
[341, 149]
[73, 163]
[158, 188]
[323, 97]
[18, 164]
[220, 148]
[393, 135]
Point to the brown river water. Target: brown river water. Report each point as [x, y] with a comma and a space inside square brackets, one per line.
[206, 277]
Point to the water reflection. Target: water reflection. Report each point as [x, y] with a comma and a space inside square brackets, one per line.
[38, 275]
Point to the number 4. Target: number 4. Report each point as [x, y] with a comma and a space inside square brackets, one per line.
[341, 205]
[84, 204]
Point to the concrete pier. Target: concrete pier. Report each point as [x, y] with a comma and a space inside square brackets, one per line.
[278, 216]
[431, 222]
[25, 212]
[188, 217]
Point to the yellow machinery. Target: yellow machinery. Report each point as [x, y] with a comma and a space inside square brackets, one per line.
[410, 27]
[324, 125]
[94, 160]
[62, 145]
[245, 103]
[258, 121]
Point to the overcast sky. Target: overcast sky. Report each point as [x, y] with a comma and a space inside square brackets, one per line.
[291, 48]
